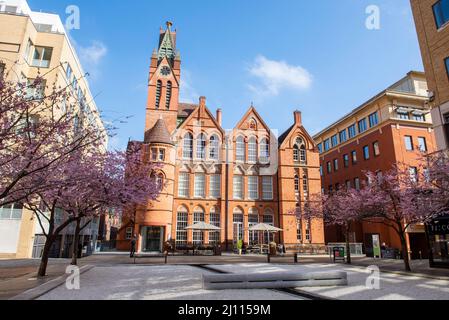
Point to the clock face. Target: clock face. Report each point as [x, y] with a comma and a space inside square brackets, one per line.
[165, 71]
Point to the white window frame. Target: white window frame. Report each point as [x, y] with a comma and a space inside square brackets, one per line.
[183, 184]
[200, 185]
[237, 190]
[252, 150]
[215, 186]
[267, 188]
[253, 187]
[240, 149]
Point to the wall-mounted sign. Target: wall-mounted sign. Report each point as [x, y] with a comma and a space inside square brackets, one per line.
[438, 226]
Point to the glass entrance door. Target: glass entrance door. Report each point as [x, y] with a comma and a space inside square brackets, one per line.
[153, 239]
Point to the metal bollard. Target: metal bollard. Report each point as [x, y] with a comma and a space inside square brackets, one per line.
[268, 257]
[166, 256]
[296, 258]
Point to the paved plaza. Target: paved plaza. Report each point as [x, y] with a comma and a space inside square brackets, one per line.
[116, 277]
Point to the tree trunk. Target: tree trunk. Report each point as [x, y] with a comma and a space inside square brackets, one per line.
[76, 240]
[44, 260]
[348, 247]
[405, 253]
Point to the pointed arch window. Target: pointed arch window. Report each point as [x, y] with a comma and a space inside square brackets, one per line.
[187, 151]
[158, 93]
[299, 151]
[213, 147]
[305, 185]
[168, 95]
[201, 147]
[252, 150]
[296, 184]
[264, 151]
[240, 149]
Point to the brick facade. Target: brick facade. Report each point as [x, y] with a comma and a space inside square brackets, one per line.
[232, 179]
[400, 112]
[434, 44]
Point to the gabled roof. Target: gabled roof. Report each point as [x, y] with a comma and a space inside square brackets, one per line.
[158, 134]
[192, 110]
[283, 136]
[245, 116]
[185, 109]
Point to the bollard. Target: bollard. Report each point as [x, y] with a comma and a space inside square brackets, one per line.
[166, 256]
[268, 257]
[296, 258]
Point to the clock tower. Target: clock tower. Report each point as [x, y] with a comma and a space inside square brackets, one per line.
[163, 82]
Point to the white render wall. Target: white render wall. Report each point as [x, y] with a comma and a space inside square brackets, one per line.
[9, 235]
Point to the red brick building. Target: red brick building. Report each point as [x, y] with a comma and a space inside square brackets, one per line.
[232, 179]
[389, 128]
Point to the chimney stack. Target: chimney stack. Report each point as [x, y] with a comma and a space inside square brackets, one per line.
[298, 117]
[202, 101]
[219, 116]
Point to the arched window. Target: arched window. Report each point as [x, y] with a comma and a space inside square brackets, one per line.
[168, 95]
[264, 151]
[298, 230]
[158, 93]
[299, 151]
[214, 219]
[240, 149]
[252, 150]
[302, 154]
[160, 181]
[253, 219]
[187, 151]
[201, 146]
[214, 148]
[295, 153]
[181, 224]
[305, 185]
[198, 216]
[237, 219]
[268, 218]
[296, 184]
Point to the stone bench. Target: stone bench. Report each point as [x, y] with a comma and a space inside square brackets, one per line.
[273, 280]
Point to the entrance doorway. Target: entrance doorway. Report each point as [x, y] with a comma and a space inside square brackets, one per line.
[418, 246]
[152, 238]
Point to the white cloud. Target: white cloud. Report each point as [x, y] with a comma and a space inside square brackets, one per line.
[276, 75]
[90, 56]
[94, 53]
[187, 92]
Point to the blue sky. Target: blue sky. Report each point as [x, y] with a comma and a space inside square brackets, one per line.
[315, 56]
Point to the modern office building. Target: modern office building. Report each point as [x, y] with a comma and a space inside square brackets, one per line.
[32, 44]
[232, 179]
[390, 128]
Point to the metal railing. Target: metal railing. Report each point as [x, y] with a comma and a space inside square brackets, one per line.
[355, 248]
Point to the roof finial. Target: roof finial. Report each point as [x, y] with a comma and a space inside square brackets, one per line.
[169, 24]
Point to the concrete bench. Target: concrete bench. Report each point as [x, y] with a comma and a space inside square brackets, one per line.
[273, 280]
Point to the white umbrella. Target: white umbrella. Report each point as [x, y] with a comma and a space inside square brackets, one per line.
[265, 227]
[203, 226]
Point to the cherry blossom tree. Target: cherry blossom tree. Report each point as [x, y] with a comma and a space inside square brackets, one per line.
[341, 208]
[37, 134]
[402, 197]
[87, 186]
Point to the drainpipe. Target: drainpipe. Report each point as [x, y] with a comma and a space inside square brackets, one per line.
[226, 192]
